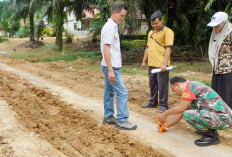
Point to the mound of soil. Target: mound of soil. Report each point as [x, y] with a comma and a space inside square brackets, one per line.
[32, 45]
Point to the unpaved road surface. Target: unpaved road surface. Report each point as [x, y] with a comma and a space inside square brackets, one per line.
[55, 109]
[37, 122]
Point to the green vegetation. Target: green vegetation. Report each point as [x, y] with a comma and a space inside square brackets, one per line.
[181, 67]
[50, 47]
[2, 39]
[133, 43]
[20, 55]
[92, 54]
[65, 58]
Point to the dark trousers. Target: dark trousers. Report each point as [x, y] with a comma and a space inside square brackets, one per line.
[158, 83]
[222, 84]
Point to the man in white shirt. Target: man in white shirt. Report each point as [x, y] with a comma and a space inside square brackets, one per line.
[111, 64]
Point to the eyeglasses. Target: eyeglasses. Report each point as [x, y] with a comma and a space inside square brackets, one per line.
[121, 15]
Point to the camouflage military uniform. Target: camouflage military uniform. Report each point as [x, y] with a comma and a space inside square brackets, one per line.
[207, 109]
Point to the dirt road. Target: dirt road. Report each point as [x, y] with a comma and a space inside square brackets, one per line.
[46, 114]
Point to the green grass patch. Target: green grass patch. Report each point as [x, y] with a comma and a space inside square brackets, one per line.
[50, 47]
[133, 43]
[133, 69]
[58, 58]
[20, 55]
[204, 67]
[91, 54]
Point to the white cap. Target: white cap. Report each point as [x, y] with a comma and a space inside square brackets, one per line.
[218, 18]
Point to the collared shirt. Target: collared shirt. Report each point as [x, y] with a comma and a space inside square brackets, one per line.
[157, 42]
[109, 35]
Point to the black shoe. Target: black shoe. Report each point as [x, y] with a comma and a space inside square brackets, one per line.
[211, 137]
[162, 109]
[110, 120]
[149, 105]
[198, 132]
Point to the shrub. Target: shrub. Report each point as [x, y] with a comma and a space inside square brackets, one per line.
[49, 32]
[2, 39]
[24, 32]
[69, 37]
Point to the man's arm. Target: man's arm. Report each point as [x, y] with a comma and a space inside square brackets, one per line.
[183, 106]
[145, 57]
[168, 51]
[111, 74]
[175, 119]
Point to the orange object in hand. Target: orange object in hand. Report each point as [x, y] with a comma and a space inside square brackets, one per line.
[161, 126]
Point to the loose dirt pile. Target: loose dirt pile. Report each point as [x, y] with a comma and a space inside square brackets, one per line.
[69, 131]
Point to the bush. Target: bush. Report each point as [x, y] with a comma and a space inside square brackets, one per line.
[24, 32]
[2, 39]
[69, 37]
[49, 32]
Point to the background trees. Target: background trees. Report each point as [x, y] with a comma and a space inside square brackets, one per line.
[187, 18]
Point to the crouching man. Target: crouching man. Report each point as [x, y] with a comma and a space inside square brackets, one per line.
[202, 108]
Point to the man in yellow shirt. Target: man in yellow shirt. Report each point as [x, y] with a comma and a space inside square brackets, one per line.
[158, 51]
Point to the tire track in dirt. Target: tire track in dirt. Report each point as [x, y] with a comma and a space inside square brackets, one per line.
[70, 131]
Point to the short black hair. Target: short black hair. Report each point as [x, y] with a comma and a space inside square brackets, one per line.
[177, 79]
[155, 15]
[118, 6]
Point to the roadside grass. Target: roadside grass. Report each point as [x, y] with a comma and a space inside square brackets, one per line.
[91, 54]
[50, 53]
[50, 47]
[133, 44]
[65, 58]
[199, 71]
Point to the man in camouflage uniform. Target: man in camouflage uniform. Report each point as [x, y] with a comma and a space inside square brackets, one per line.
[202, 108]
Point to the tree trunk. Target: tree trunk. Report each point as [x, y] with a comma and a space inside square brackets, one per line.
[59, 29]
[32, 28]
[170, 13]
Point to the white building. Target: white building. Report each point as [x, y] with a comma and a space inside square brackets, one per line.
[80, 28]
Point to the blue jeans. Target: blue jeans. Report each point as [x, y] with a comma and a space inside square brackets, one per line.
[119, 88]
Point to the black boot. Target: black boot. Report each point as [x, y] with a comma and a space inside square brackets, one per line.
[211, 137]
[198, 132]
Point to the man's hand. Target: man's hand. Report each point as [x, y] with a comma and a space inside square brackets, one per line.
[143, 66]
[162, 117]
[111, 76]
[163, 68]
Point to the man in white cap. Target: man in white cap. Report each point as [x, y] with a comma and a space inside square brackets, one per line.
[220, 56]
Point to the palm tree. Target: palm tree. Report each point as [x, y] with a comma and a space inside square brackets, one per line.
[27, 8]
[61, 8]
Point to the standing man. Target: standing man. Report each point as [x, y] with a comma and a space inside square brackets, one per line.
[158, 51]
[202, 108]
[111, 64]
